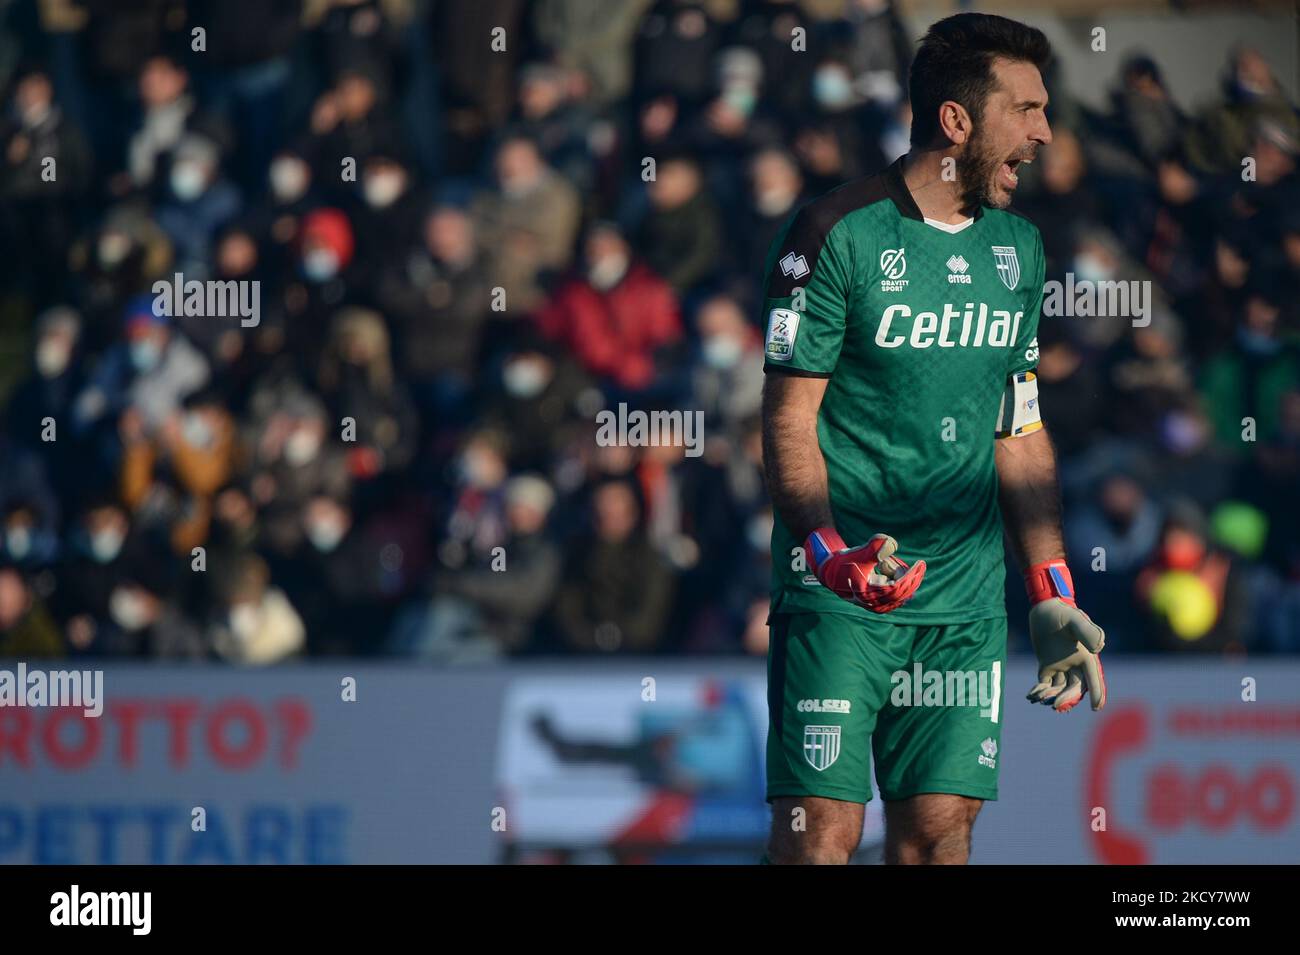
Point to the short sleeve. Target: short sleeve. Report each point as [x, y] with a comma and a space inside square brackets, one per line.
[1024, 351]
[806, 296]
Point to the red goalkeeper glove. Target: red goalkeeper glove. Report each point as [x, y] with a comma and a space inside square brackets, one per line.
[869, 576]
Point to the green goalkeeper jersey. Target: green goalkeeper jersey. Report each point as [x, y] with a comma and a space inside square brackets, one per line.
[918, 329]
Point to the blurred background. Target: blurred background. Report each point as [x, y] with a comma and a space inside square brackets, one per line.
[379, 167]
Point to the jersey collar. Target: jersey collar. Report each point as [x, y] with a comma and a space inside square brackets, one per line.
[896, 189]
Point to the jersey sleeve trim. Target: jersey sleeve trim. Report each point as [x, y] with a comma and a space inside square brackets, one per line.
[801, 246]
[796, 372]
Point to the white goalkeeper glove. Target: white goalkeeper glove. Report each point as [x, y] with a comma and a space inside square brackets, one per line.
[1065, 640]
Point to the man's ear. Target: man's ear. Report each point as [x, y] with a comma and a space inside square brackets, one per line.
[955, 122]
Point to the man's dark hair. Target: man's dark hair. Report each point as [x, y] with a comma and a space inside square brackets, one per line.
[955, 62]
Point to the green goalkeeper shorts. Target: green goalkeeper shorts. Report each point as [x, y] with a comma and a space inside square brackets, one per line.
[926, 701]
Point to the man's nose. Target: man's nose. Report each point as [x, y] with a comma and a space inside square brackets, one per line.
[1043, 134]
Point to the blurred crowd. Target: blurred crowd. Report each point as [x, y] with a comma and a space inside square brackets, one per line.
[463, 254]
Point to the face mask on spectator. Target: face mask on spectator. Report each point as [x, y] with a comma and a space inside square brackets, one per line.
[18, 541]
[476, 470]
[517, 187]
[301, 447]
[525, 378]
[742, 99]
[128, 609]
[188, 181]
[196, 431]
[35, 114]
[105, 545]
[112, 249]
[1182, 552]
[244, 619]
[325, 535]
[145, 354]
[1182, 433]
[773, 202]
[1257, 343]
[289, 179]
[52, 357]
[1247, 89]
[1091, 268]
[832, 88]
[722, 351]
[382, 189]
[320, 265]
[607, 272]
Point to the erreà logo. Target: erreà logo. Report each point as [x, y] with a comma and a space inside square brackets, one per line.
[989, 750]
[795, 266]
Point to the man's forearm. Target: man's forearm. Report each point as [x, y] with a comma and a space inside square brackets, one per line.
[1030, 498]
[793, 462]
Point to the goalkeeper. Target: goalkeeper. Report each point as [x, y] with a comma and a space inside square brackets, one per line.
[901, 427]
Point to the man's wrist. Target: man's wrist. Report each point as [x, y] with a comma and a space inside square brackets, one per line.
[821, 544]
[1050, 579]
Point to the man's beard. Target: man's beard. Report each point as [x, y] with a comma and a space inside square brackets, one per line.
[977, 169]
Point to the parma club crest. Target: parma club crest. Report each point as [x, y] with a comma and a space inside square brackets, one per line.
[1008, 265]
[821, 746]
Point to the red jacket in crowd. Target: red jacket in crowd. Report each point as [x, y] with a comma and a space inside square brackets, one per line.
[614, 333]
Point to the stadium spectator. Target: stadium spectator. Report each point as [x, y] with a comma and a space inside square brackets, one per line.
[292, 461]
[616, 590]
[526, 224]
[168, 111]
[614, 317]
[144, 378]
[1190, 591]
[45, 173]
[255, 623]
[1221, 133]
[727, 385]
[1248, 378]
[437, 297]
[357, 381]
[681, 237]
[483, 610]
[26, 628]
[535, 401]
[776, 190]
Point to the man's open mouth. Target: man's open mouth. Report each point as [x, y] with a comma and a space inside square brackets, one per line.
[1010, 169]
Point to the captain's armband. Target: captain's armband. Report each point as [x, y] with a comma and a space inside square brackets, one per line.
[1019, 414]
